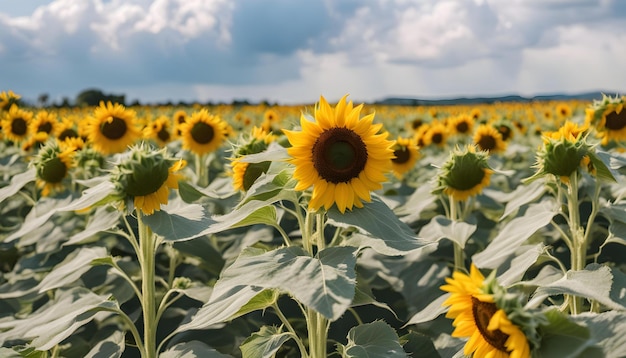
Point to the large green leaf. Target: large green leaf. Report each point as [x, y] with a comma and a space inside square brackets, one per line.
[595, 282]
[372, 340]
[522, 195]
[72, 268]
[385, 231]
[103, 219]
[526, 256]
[193, 349]
[607, 329]
[325, 283]
[56, 321]
[441, 227]
[562, 337]
[179, 221]
[264, 343]
[111, 347]
[17, 182]
[515, 233]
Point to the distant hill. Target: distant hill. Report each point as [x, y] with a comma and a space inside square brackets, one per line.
[400, 101]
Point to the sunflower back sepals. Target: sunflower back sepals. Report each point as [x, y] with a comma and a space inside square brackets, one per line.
[465, 174]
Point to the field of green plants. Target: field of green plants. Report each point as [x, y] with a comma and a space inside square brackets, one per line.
[334, 229]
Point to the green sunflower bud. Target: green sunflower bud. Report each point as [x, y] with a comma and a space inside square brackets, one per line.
[562, 157]
[464, 174]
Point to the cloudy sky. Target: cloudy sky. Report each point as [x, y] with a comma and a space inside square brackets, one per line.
[293, 51]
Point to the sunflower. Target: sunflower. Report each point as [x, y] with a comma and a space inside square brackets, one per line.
[179, 117]
[563, 111]
[66, 129]
[159, 131]
[145, 177]
[341, 155]
[112, 128]
[45, 122]
[35, 141]
[15, 124]
[462, 124]
[203, 132]
[52, 166]
[7, 99]
[437, 134]
[489, 139]
[464, 174]
[609, 118]
[476, 315]
[406, 154]
[245, 174]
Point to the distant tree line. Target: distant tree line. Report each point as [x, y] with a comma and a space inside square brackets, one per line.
[93, 96]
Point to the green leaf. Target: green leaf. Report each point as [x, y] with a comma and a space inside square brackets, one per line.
[18, 181]
[72, 268]
[433, 310]
[387, 234]
[528, 255]
[594, 282]
[111, 347]
[38, 215]
[602, 163]
[264, 343]
[515, 233]
[562, 337]
[522, 195]
[57, 320]
[193, 349]
[274, 153]
[441, 227]
[178, 221]
[372, 340]
[418, 345]
[607, 329]
[261, 301]
[103, 219]
[188, 192]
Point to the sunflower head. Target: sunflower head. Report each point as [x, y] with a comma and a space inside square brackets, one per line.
[245, 174]
[340, 154]
[462, 124]
[52, 166]
[7, 99]
[608, 117]
[405, 153]
[492, 319]
[112, 128]
[203, 132]
[159, 131]
[45, 122]
[144, 177]
[489, 139]
[561, 157]
[15, 124]
[464, 174]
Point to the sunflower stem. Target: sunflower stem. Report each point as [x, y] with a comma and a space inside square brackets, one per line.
[148, 287]
[202, 170]
[578, 251]
[459, 259]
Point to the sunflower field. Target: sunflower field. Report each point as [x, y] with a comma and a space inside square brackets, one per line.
[328, 229]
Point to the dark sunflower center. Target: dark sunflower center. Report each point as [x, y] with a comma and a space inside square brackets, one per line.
[437, 138]
[45, 127]
[181, 119]
[487, 142]
[146, 179]
[462, 127]
[402, 155]
[416, 123]
[53, 170]
[163, 134]
[115, 129]
[18, 126]
[202, 133]
[615, 121]
[68, 133]
[339, 155]
[483, 311]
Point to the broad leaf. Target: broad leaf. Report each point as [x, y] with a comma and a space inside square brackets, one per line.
[178, 221]
[264, 343]
[70, 270]
[594, 282]
[372, 340]
[57, 320]
[515, 233]
[441, 227]
[387, 233]
[562, 337]
[193, 349]
[17, 182]
[111, 347]
[103, 219]
[607, 329]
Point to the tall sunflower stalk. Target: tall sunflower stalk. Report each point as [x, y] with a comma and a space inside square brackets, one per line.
[564, 156]
[463, 176]
[343, 157]
[144, 179]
